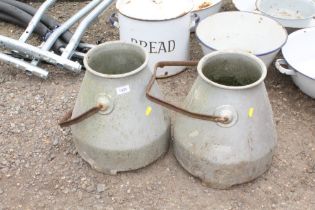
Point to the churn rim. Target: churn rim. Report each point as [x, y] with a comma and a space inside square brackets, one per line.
[116, 76]
[220, 52]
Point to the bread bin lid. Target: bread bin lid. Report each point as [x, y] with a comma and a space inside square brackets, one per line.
[154, 10]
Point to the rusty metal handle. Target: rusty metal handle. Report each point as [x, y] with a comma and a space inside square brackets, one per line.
[66, 121]
[217, 119]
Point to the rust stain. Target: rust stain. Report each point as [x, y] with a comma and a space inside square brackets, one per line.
[157, 1]
[204, 5]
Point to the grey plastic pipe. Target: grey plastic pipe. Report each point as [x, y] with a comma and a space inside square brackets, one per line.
[25, 18]
[9, 19]
[40, 29]
[64, 27]
[35, 20]
[46, 20]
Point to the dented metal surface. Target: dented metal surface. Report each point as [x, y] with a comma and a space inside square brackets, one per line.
[223, 156]
[134, 132]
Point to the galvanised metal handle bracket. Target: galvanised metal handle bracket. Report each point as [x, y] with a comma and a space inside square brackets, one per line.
[67, 121]
[213, 118]
[104, 105]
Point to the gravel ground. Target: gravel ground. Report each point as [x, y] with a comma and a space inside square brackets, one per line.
[41, 169]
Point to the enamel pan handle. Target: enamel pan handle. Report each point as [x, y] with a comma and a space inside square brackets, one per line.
[104, 105]
[195, 21]
[213, 118]
[279, 65]
[113, 19]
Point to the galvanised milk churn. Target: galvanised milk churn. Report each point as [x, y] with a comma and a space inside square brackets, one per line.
[115, 127]
[224, 134]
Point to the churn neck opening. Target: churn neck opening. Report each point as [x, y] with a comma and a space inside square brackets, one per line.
[232, 70]
[116, 59]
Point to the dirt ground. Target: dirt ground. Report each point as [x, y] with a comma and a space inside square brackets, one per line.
[41, 169]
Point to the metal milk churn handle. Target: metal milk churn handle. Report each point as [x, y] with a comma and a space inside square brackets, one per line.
[239, 146]
[225, 115]
[104, 106]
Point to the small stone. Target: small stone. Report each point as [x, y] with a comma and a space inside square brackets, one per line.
[42, 205]
[66, 191]
[5, 170]
[5, 163]
[90, 188]
[1, 191]
[97, 207]
[77, 160]
[56, 142]
[80, 195]
[100, 188]
[51, 157]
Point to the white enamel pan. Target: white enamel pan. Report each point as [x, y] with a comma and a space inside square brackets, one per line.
[299, 56]
[290, 13]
